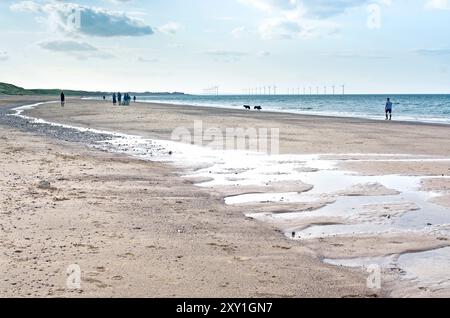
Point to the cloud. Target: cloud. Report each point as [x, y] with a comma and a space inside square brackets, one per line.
[26, 6]
[263, 53]
[312, 8]
[238, 32]
[433, 52]
[175, 45]
[226, 56]
[119, 1]
[326, 8]
[279, 28]
[75, 19]
[271, 5]
[224, 18]
[79, 50]
[4, 56]
[357, 55]
[67, 46]
[170, 28]
[289, 19]
[287, 28]
[437, 4]
[147, 60]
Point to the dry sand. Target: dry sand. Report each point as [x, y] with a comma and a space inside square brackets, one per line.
[139, 229]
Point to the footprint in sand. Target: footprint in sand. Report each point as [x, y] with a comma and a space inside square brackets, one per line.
[101, 269]
[96, 282]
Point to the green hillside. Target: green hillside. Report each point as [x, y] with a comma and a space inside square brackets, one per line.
[9, 89]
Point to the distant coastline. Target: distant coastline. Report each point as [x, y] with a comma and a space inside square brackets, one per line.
[10, 89]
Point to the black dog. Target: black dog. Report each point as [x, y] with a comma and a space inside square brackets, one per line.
[258, 108]
[247, 107]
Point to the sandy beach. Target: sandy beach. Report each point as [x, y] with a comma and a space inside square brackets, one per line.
[260, 149]
[347, 189]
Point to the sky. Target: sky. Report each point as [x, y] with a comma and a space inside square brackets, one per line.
[375, 46]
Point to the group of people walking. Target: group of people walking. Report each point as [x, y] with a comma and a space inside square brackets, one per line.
[123, 100]
[126, 99]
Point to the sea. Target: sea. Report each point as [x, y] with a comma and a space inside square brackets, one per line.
[416, 108]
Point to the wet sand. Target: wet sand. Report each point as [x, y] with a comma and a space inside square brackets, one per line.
[299, 135]
[137, 229]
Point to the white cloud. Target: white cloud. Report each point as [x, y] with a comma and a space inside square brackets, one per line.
[279, 28]
[226, 56]
[147, 60]
[357, 55]
[238, 32]
[67, 46]
[80, 50]
[437, 4]
[290, 19]
[175, 45]
[119, 1]
[316, 8]
[433, 52]
[291, 28]
[170, 28]
[225, 18]
[271, 5]
[75, 19]
[326, 8]
[26, 6]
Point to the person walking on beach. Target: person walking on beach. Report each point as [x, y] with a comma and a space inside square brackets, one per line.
[134, 99]
[119, 97]
[388, 109]
[63, 99]
[114, 99]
